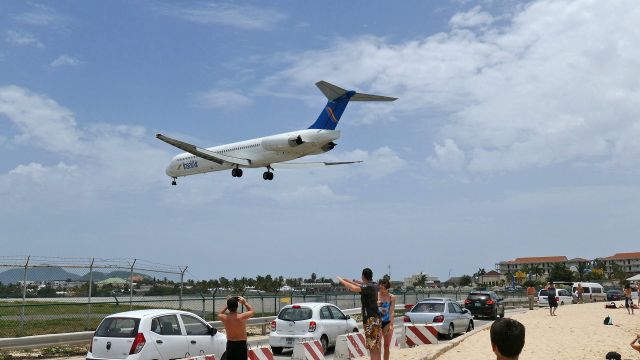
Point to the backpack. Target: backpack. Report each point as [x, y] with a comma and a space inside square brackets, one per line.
[608, 320]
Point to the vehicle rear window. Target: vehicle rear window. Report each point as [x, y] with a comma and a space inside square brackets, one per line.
[295, 314]
[597, 290]
[478, 296]
[118, 327]
[543, 293]
[428, 308]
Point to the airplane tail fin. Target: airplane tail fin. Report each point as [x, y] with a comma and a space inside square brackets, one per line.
[338, 98]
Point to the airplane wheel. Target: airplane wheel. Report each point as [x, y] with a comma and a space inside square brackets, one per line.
[238, 172]
[270, 176]
[265, 175]
[174, 183]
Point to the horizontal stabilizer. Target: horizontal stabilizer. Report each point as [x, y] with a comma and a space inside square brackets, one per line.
[299, 165]
[204, 153]
[333, 92]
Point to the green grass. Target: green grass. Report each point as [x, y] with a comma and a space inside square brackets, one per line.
[45, 353]
[36, 308]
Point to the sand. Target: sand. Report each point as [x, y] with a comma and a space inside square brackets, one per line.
[577, 332]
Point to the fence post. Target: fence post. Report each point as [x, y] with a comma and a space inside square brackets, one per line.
[117, 302]
[203, 306]
[213, 298]
[181, 286]
[131, 285]
[24, 295]
[261, 304]
[89, 295]
[275, 303]
[354, 301]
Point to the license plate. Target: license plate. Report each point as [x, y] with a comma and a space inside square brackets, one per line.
[289, 341]
[477, 304]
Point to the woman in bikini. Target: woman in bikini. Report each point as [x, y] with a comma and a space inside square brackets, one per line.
[386, 306]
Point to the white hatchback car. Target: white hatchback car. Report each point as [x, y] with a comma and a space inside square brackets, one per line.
[155, 334]
[563, 297]
[309, 321]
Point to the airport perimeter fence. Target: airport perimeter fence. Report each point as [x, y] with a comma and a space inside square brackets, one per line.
[44, 295]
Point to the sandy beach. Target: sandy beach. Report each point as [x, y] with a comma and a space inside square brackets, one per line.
[577, 332]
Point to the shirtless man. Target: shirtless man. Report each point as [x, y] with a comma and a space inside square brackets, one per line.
[235, 325]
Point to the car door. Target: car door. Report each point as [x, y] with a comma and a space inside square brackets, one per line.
[329, 325]
[452, 316]
[166, 335]
[341, 320]
[199, 338]
[462, 320]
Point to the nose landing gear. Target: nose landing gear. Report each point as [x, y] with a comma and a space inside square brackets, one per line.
[173, 182]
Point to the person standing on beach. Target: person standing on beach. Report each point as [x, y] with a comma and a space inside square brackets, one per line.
[507, 338]
[628, 303]
[531, 293]
[371, 321]
[235, 326]
[386, 306]
[551, 297]
[579, 292]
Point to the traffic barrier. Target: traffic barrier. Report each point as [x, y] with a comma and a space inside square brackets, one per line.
[351, 346]
[308, 350]
[415, 335]
[201, 357]
[260, 353]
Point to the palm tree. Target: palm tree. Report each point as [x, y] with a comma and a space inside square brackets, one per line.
[582, 269]
[537, 270]
[527, 270]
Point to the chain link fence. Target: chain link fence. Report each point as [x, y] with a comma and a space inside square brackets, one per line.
[45, 295]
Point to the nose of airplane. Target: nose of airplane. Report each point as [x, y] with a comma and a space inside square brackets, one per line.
[170, 170]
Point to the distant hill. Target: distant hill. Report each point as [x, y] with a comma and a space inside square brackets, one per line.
[13, 276]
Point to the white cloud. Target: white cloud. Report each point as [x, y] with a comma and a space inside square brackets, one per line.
[41, 15]
[244, 17]
[22, 39]
[448, 156]
[554, 83]
[376, 164]
[472, 18]
[65, 60]
[222, 99]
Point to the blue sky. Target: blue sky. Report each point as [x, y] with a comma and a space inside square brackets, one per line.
[516, 132]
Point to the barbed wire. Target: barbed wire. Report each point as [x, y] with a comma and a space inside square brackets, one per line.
[31, 261]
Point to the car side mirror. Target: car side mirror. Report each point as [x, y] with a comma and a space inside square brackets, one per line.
[213, 331]
[465, 311]
[347, 317]
[500, 299]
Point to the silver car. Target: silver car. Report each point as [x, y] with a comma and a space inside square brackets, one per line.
[445, 315]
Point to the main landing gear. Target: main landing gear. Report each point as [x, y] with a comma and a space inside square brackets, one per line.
[236, 172]
[267, 175]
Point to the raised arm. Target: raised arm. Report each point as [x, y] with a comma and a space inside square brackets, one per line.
[249, 313]
[221, 313]
[349, 284]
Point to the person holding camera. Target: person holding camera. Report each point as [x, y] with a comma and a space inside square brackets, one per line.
[235, 325]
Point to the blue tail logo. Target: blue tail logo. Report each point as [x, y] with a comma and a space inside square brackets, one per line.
[338, 100]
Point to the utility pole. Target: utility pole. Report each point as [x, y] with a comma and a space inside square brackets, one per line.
[389, 272]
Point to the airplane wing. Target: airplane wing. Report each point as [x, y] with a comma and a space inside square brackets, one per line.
[298, 165]
[204, 153]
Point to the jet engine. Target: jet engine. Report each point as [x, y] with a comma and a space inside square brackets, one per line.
[281, 143]
[329, 146]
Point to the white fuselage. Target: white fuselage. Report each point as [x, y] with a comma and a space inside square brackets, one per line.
[262, 151]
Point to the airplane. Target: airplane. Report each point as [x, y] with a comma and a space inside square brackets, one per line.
[271, 151]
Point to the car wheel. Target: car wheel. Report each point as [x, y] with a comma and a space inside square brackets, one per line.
[224, 356]
[470, 327]
[324, 341]
[449, 335]
[355, 330]
[276, 350]
[502, 313]
[494, 315]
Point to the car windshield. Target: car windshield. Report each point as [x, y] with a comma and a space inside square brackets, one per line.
[118, 327]
[295, 314]
[428, 308]
[478, 296]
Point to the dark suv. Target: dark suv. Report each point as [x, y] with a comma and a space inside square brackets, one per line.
[484, 303]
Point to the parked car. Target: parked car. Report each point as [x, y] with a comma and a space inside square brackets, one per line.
[155, 334]
[485, 303]
[307, 321]
[563, 296]
[614, 295]
[592, 292]
[445, 315]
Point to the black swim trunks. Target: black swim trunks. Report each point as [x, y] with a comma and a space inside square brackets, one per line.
[237, 350]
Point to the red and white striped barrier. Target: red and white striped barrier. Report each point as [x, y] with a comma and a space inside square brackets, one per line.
[415, 335]
[351, 346]
[260, 353]
[201, 357]
[308, 350]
